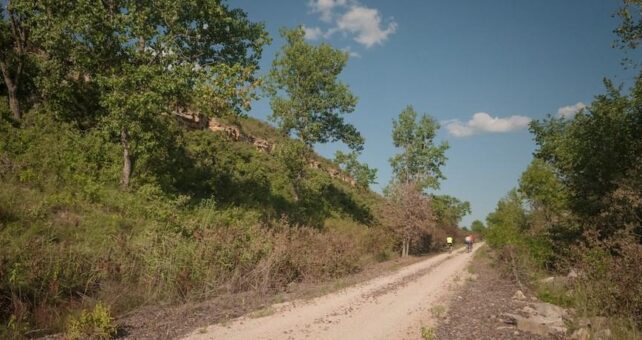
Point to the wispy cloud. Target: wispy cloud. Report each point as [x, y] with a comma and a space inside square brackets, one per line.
[312, 33]
[571, 110]
[364, 24]
[325, 8]
[482, 122]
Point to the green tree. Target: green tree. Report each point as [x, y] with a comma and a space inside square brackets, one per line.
[361, 172]
[307, 97]
[595, 152]
[477, 226]
[449, 210]
[630, 30]
[14, 54]
[143, 61]
[505, 225]
[294, 155]
[420, 160]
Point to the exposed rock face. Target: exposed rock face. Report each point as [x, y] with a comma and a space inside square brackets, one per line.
[262, 145]
[196, 121]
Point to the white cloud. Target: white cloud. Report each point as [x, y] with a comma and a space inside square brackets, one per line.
[312, 33]
[570, 110]
[326, 7]
[362, 23]
[482, 122]
[366, 24]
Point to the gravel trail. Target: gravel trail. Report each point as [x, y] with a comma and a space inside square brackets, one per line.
[395, 306]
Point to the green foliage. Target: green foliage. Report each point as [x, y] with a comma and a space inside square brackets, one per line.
[449, 210]
[95, 324]
[361, 172]
[541, 186]
[596, 150]
[123, 68]
[630, 31]
[420, 160]
[477, 227]
[307, 96]
[428, 333]
[210, 220]
[579, 205]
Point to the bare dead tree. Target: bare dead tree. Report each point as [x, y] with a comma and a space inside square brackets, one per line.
[408, 212]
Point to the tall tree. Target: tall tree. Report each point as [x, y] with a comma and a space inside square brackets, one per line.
[449, 210]
[307, 97]
[14, 44]
[595, 156]
[420, 160]
[477, 226]
[143, 60]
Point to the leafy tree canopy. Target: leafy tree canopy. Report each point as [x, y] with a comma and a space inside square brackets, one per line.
[420, 160]
[361, 172]
[449, 210]
[307, 97]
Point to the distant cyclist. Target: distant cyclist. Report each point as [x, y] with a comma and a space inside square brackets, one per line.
[449, 242]
[469, 243]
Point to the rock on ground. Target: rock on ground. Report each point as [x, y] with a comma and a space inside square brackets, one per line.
[486, 301]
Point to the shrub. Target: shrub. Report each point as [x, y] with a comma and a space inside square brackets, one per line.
[609, 283]
[95, 324]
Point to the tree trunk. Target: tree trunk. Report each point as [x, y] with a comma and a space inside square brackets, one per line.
[14, 104]
[405, 247]
[127, 158]
[12, 89]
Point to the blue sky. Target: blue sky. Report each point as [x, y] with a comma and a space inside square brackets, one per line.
[481, 68]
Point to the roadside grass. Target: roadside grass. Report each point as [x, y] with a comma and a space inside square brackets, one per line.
[438, 311]
[428, 333]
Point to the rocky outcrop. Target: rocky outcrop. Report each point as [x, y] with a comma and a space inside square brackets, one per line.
[196, 121]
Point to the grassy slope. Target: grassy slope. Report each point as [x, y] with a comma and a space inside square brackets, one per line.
[209, 223]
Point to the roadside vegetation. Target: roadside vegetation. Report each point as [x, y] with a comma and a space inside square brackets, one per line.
[578, 206]
[111, 200]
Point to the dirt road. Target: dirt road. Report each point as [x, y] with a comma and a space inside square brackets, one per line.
[395, 306]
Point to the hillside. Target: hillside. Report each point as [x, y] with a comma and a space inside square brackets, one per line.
[131, 176]
[70, 236]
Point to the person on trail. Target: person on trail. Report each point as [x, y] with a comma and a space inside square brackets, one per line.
[469, 243]
[449, 243]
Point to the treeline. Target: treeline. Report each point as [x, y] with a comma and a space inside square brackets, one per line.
[578, 206]
[108, 202]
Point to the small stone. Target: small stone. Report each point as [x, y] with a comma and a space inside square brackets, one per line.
[519, 295]
[572, 274]
[548, 279]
